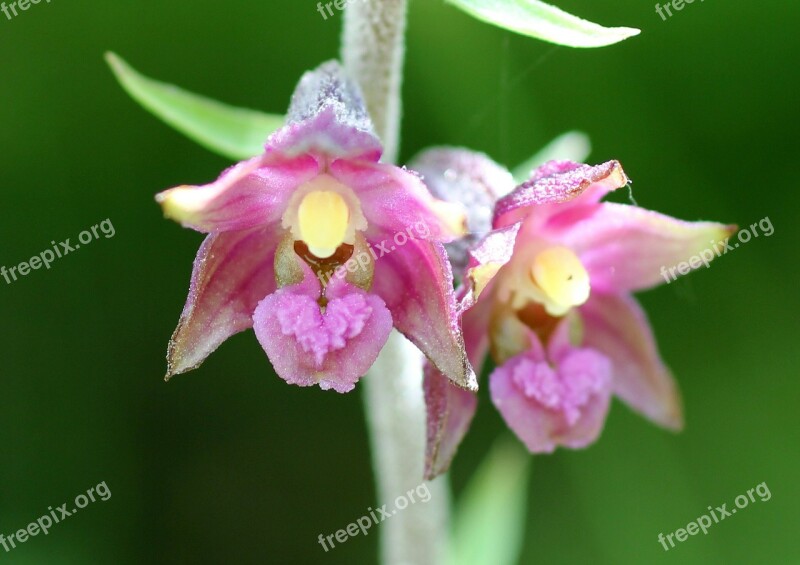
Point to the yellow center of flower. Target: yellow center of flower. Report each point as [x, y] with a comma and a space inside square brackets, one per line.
[561, 276]
[324, 214]
[323, 218]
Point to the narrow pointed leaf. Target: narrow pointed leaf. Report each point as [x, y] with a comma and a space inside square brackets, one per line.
[570, 146]
[490, 518]
[543, 21]
[236, 133]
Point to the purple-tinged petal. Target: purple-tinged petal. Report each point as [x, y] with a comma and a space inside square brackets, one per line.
[557, 182]
[416, 282]
[475, 329]
[232, 272]
[450, 410]
[395, 200]
[496, 247]
[249, 194]
[333, 348]
[547, 406]
[488, 257]
[327, 116]
[627, 248]
[618, 327]
[468, 177]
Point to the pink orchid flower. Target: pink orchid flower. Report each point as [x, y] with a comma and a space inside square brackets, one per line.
[304, 246]
[547, 294]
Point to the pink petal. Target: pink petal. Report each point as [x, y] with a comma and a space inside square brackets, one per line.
[475, 328]
[333, 348]
[450, 408]
[416, 283]
[232, 272]
[550, 406]
[394, 201]
[471, 178]
[496, 247]
[626, 248]
[450, 411]
[327, 117]
[252, 193]
[325, 134]
[557, 182]
[486, 258]
[617, 326]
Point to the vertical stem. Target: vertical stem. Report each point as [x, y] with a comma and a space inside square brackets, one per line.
[372, 53]
[396, 418]
[373, 47]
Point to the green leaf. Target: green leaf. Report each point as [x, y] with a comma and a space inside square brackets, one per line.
[237, 133]
[572, 146]
[543, 21]
[489, 524]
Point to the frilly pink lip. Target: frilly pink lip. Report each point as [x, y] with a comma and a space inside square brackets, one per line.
[332, 347]
[550, 403]
[233, 287]
[557, 393]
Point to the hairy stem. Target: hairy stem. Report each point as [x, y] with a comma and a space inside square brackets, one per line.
[373, 46]
[396, 419]
[372, 53]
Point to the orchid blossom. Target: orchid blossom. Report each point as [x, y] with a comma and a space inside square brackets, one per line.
[292, 251]
[319, 201]
[547, 294]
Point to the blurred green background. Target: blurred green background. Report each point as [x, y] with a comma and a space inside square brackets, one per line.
[228, 463]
